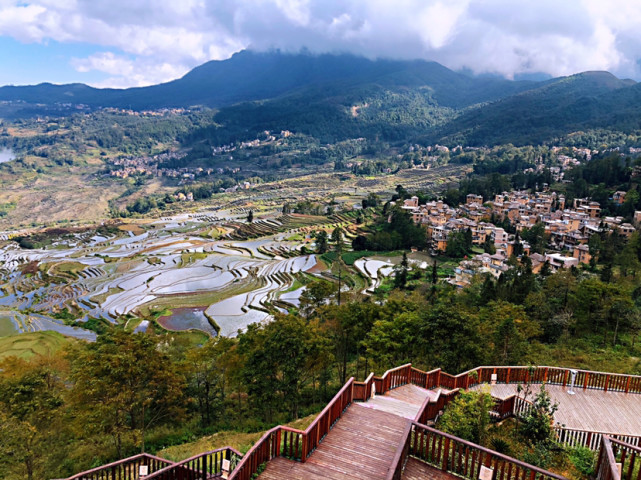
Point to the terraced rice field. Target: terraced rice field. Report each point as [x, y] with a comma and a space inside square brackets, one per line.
[172, 265]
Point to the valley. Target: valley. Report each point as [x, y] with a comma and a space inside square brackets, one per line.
[207, 270]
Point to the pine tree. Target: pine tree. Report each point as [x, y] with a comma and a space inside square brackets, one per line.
[400, 278]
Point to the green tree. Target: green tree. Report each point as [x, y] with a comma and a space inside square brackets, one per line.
[337, 239]
[400, 272]
[459, 244]
[468, 416]
[321, 241]
[124, 384]
[511, 329]
[488, 245]
[31, 407]
[209, 371]
[536, 423]
[316, 293]
[280, 358]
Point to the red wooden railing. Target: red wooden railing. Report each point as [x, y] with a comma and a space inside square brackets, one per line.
[264, 450]
[629, 458]
[510, 406]
[126, 469]
[200, 467]
[460, 457]
[298, 444]
[393, 378]
[430, 409]
[395, 471]
[293, 443]
[585, 379]
[363, 390]
[607, 468]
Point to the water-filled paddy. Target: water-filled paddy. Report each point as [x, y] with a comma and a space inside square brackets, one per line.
[187, 319]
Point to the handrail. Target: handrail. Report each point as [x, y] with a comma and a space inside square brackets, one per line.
[258, 455]
[421, 411]
[291, 442]
[430, 409]
[395, 369]
[575, 437]
[624, 444]
[395, 470]
[586, 379]
[463, 458]
[110, 470]
[607, 465]
[629, 457]
[323, 429]
[199, 466]
[366, 388]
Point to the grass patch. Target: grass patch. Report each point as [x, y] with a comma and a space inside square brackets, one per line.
[7, 327]
[589, 354]
[187, 258]
[28, 345]
[350, 257]
[70, 268]
[241, 441]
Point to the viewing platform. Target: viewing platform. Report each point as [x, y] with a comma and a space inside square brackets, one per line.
[379, 429]
[584, 410]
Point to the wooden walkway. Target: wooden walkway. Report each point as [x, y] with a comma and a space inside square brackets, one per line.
[361, 446]
[363, 442]
[403, 401]
[595, 410]
[417, 470]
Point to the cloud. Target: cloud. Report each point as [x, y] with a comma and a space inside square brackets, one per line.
[148, 41]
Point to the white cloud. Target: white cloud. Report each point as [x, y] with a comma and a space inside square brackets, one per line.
[158, 40]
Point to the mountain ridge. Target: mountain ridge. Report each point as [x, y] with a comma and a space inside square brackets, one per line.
[249, 76]
[405, 99]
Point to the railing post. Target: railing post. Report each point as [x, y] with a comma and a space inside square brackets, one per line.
[627, 385]
[438, 378]
[278, 438]
[565, 377]
[607, 382]
[304, 452]
[446, 455]
[204, 472]
[507, 378]
[585, 380]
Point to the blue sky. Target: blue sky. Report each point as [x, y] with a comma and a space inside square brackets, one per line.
[28, 63]
[123, 43]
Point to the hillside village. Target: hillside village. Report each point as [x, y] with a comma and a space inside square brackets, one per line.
[566, 228]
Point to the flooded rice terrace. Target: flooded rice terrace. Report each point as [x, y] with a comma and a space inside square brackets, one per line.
[168, 270]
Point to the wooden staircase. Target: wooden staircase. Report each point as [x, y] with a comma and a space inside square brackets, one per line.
[363, 442]
[361, 446]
